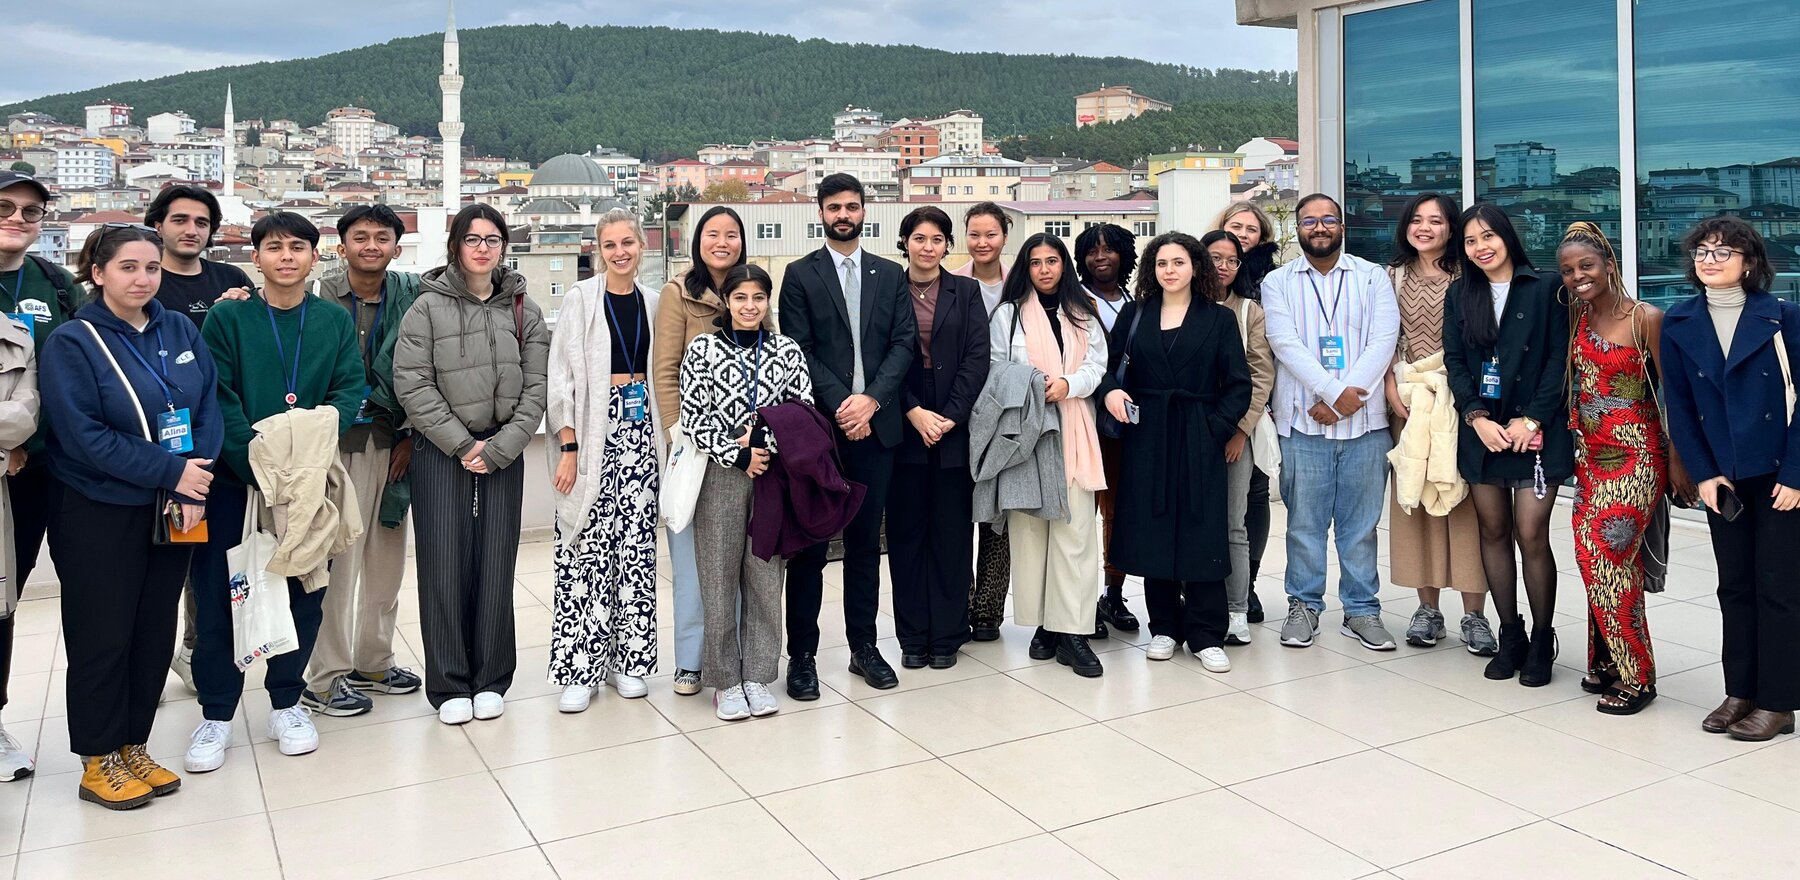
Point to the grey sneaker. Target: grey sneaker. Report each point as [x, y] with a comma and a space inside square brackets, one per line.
[340, 701]
[1301, 625]
[729, 703]
[1367, 628]
[393, 680]
[15, 763]
[687, 682]
[1426, 628]
[1479, 636]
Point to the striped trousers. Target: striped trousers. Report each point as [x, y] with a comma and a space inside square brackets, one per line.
[466, 532]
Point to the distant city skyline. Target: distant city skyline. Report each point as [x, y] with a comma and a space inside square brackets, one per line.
[85, 44]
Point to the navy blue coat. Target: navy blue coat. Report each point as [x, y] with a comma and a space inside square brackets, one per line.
[1728, 415]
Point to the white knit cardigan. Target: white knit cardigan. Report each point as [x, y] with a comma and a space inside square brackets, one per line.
[580, 382]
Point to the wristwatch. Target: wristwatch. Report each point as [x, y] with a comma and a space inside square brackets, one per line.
[571, 447]
[1532, 425]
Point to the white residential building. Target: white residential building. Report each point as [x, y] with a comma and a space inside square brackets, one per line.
[169, 128]
[877, 169]
[958, 132]
[202, 161]
[107, 115]
[84, 165]
[353, 129]
[856, 123]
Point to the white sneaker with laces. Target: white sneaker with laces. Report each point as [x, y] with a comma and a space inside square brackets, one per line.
[729, 703]
[14, 762]
[206, 750]
[575, 698]
[292, 729]
[761, 701]
[489, 705]
[1214, 660]
[1237, 628]
[183, 664]
[629, 686]
[1162, 647]
[457, 710]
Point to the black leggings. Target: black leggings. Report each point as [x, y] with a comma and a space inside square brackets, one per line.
[1517, 517]
[1256, 522]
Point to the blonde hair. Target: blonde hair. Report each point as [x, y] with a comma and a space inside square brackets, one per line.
[1267, 232]
[620, 215]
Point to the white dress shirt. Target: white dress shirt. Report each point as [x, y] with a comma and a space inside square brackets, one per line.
[1298, 308]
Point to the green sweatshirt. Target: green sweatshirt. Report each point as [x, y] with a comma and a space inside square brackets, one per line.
[254, 371]
[29, 285]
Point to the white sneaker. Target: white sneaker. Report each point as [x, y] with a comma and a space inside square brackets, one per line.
[729, 703]
[1162, 647]
[457, 710]
[761, 701]
[183, 664]
[575, 698]
[1214, 660]
[629, 686]
[14, 762]
[1237, 628]
[206, 751]
[292, 728]
[489, 705]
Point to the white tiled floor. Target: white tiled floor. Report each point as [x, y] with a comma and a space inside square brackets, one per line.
[1333, 762]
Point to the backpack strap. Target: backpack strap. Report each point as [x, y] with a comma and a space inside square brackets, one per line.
[130, 392]
[56, 274]
[519, 320]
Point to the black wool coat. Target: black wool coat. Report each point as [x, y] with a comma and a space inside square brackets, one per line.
[1533, 349]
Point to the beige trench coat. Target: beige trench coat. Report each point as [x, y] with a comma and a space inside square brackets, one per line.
[18, 421]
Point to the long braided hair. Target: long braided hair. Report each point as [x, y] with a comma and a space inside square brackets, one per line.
[1585, 234]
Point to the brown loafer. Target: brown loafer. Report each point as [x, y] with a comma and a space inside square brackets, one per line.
[1729, 712]
[1762, 726]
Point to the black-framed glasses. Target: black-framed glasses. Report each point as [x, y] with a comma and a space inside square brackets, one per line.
[29, 213]
[115, 224]
[1315, 222]
[1718, 255]
[483, 241]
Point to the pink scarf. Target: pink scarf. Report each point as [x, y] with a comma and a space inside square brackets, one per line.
[1080, 442]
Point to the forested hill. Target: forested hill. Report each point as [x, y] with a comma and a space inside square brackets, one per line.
[535, 91]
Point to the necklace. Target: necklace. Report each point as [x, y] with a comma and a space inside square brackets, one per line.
[919, 290]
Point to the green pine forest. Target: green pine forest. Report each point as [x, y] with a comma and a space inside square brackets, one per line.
[535, 91]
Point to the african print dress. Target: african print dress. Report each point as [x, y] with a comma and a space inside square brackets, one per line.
[1621, 468]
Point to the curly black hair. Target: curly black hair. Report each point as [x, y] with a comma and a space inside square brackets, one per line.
[1115, 238]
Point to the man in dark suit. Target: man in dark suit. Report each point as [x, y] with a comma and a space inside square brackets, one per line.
[847, 308]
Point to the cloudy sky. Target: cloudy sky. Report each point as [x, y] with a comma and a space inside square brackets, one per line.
[83, 44]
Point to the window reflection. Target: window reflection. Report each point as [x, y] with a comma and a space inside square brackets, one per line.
[1547, 116]
[1718, 129]
[1402, 122]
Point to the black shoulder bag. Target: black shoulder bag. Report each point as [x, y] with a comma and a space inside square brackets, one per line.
[1104, 422]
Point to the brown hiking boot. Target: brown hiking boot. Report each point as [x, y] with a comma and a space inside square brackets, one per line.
[158, 777]
[109, 783]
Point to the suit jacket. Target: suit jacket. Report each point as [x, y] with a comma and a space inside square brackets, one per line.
[813, 314]
[802, 499]
[1728, 415]
[1533, 348]
[959, 367]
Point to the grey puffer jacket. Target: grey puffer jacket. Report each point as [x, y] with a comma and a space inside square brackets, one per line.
[465, 366]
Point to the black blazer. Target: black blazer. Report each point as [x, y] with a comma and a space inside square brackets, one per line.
[959, 367]
[1533, 348]
[813, 314]
[1170, 497]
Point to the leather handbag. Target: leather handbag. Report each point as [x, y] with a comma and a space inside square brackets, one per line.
[1104, 422]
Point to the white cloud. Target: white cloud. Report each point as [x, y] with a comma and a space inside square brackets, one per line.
[63, 59]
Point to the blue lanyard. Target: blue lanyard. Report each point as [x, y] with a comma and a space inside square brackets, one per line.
[374, 330]
[637, 338]
[751, 372]
[161, 352]
[293, 378]
[1337, 294]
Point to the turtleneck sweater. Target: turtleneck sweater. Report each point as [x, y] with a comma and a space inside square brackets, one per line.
[1725, 304]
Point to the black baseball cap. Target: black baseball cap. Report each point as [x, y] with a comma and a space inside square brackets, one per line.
[9, 179]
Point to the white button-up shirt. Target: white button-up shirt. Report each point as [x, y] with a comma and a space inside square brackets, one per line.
[1298, 306]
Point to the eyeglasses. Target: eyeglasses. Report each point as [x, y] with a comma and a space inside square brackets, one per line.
[28, 213]
[1230, 262]
[1718, 255]
[1315, 222]
[118, 225]
[483, 241]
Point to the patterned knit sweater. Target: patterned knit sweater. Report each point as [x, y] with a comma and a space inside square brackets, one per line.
[717, 374]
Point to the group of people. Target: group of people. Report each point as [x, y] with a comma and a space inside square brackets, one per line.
[979, 423]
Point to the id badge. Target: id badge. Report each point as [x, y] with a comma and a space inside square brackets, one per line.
[363, 417]
[175, 431]
[1490, 380]
[1331, 352]
[25, 320]
[634, 396]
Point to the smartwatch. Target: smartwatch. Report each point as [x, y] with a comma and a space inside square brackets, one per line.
[571, 447]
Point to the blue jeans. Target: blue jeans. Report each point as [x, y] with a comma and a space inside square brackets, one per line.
[690, 617]
[1341, 483]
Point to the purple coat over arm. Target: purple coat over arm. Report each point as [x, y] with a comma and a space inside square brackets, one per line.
[803, 498]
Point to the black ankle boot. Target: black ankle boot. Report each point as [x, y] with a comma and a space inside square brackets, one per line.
[1255, 613]
[1513, 649]
[1074, 652]
[1539, 658]
[1043, 644]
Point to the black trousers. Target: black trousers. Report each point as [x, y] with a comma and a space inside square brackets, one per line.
[1256, 522]
[930, 554]
[867, 462]
[1190, 612]
[216, 675]
[35, 497]
[466, 528]
[1759, 598]
[121, 596]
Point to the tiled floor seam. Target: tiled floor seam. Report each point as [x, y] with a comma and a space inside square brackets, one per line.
[1610, 845]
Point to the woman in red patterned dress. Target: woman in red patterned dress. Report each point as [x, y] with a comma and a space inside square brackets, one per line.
[1622, 464]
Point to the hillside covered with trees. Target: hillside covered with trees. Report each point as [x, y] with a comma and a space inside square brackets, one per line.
[534, 91]
[1208, 124]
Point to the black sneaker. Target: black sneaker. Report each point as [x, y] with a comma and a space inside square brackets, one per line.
[943, 661]
[1074, 652]
[1043, 644]
[803, 678]
[867, 662]
[982, 631]
[914, 658]
[396, 680]
[1113, 611]
[340, 701]
[1255, 614]
[1099, 628]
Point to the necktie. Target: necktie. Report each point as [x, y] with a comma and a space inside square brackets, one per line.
[853, 306]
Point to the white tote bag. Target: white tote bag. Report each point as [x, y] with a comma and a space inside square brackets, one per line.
[681, 484]
[262, 624]
[1265, 447]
